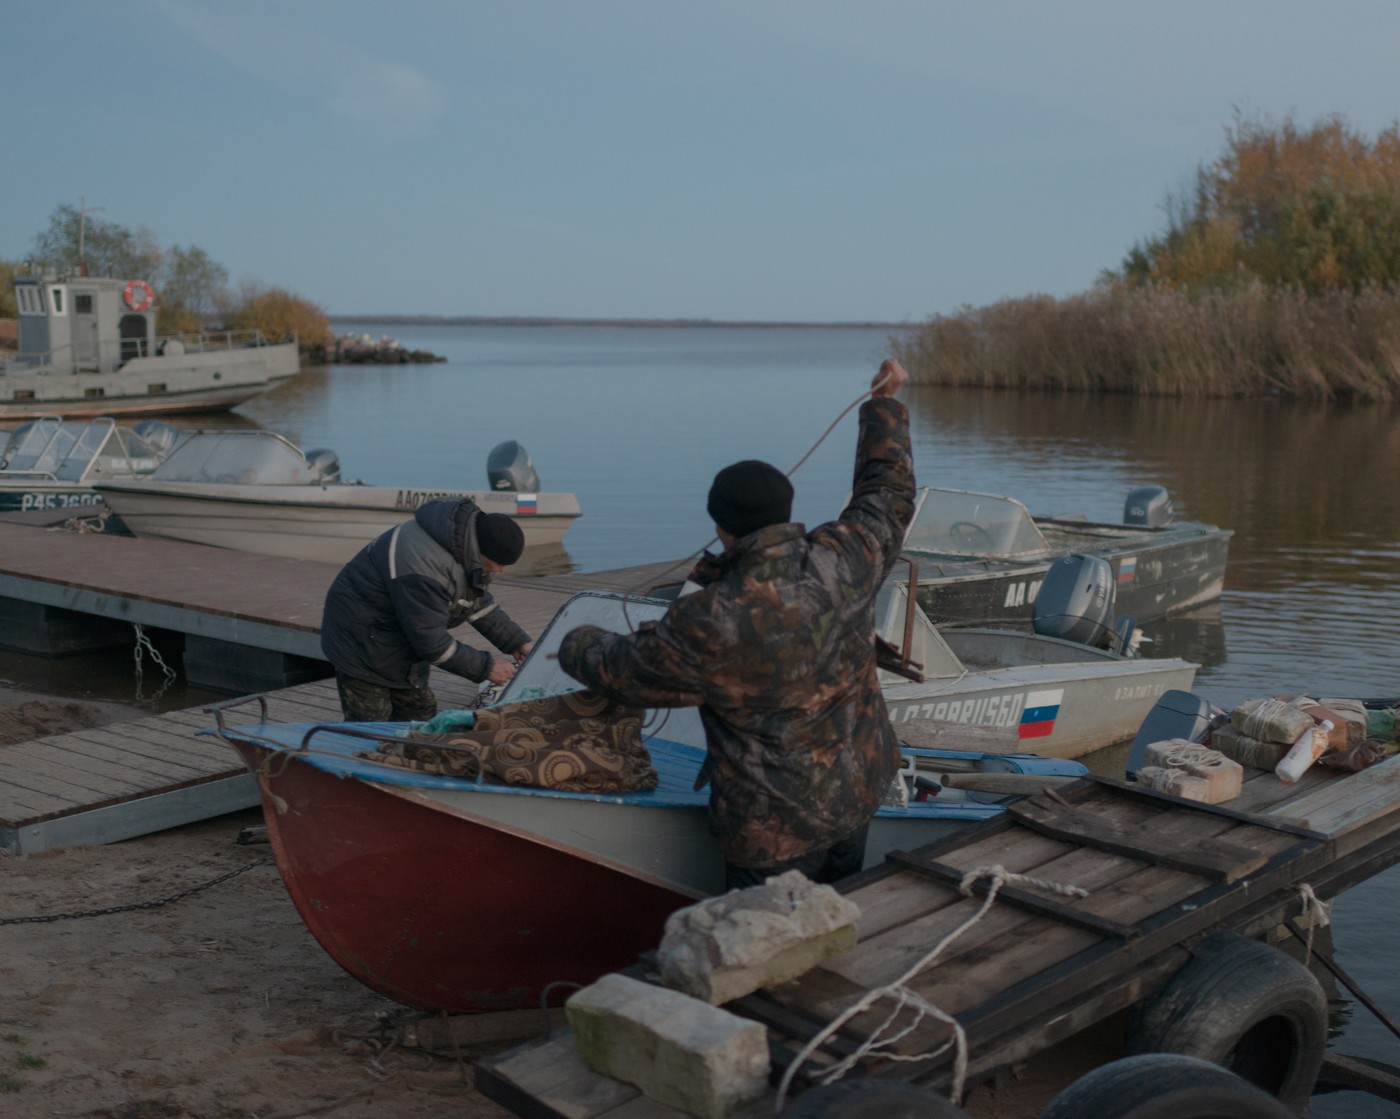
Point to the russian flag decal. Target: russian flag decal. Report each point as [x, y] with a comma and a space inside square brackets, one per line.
[1042, 708]
[1127, 569]
[525, 503]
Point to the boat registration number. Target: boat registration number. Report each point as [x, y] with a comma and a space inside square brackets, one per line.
[40, 501]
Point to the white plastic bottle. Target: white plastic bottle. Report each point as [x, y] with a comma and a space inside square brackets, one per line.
[1310, 746]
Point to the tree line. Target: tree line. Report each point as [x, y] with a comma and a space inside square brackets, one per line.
[1278, 273]
[192, 289]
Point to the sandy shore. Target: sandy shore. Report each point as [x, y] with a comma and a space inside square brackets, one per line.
[219, 1005]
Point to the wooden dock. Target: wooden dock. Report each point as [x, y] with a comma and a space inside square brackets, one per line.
[236, 610]
[1038, 967]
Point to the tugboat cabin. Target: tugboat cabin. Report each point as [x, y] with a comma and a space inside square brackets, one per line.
[83, 324]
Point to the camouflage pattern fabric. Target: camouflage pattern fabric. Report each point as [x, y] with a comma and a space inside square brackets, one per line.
[363, 702]
[778, 651]
[582, 742]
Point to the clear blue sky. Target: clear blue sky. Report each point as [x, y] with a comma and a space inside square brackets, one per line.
[760, 160]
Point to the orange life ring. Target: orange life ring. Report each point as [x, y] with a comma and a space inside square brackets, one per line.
[138, 302]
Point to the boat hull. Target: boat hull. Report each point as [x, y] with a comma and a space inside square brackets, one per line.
[38, 496]
[1067, 714]
[447, 895]
[1156, 573]
[442, 912]
[212, 381]
[325, 523]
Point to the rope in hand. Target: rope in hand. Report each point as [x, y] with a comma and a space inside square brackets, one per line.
[689, 561]
[877, 1044]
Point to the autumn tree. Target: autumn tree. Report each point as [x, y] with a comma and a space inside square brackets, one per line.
[109, 249]
[8, 309]
[191, 287]
[1315, 207]
[279, 315]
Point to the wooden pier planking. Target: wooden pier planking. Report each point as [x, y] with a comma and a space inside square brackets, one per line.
[109, 783]
[1021, 981]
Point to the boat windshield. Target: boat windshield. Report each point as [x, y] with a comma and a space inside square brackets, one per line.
[239, 457]
[75, 452]
[927, 649]
[962, 523]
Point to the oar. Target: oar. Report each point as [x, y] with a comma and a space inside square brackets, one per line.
[1005, 782]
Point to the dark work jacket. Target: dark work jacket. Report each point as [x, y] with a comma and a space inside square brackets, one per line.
[388, 613]
[778, 651]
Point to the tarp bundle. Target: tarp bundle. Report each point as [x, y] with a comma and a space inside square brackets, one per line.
[578, 742]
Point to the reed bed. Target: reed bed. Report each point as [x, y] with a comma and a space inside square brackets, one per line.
[1159, 340]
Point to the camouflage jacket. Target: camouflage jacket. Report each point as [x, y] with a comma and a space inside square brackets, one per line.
[777, 649]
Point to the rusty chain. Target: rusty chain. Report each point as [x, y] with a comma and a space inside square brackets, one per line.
[155, 904]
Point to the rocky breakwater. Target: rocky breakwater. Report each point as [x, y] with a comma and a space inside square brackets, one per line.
[363, 349]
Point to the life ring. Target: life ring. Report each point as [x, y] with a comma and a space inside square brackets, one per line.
[138, 294]
[1244, 1005]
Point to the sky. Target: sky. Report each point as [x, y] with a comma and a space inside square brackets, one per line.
[753, 160]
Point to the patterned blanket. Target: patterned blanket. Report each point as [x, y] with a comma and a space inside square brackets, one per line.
[579, 742]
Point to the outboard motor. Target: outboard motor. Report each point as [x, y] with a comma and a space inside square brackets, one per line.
[324, 464]
[1075, 603]
[508, 467]
[1148, 506]
[158, 435]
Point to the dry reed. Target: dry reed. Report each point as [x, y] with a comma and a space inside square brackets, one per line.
[1158, 340]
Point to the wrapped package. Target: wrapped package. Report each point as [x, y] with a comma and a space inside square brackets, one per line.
[1271, 720]
[1235, 744]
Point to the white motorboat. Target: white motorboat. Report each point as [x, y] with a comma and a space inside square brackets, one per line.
[88, 347]
[255, 491]
[50, 463]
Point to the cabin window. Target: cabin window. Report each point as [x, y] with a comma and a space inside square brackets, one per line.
[82, 304]
[30, 299]
[57, 300]
[24, 394]
[94, 392]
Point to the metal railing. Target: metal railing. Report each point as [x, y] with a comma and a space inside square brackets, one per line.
[112, 354]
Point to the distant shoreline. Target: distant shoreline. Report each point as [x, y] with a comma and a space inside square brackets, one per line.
[503, 320]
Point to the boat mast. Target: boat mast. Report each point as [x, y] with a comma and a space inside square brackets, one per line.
[83, 212]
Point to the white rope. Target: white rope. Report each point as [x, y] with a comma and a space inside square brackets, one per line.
[877, 1045]
[1316, 912]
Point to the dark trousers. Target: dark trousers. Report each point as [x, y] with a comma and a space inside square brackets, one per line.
[830, 864]
[363, 702]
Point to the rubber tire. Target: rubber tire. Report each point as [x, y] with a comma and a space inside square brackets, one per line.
[1163, 1086]
[872, 1098]
[1245, 1006]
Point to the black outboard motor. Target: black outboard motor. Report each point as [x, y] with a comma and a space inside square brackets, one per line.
[1148, 506]
[1075, 603]
[324, 463]
[508, 467]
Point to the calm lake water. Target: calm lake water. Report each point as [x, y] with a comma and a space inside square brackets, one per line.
[635, 421]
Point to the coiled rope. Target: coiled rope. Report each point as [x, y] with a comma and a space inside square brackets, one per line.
[877, 1044]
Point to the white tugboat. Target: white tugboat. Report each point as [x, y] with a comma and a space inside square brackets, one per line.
[88, 347]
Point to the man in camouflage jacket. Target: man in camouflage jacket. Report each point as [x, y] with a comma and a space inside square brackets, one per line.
[777, 649]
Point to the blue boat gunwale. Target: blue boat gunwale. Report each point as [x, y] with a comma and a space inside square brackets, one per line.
[341, 755]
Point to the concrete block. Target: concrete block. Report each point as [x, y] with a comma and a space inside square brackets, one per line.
[676, 1049]
[1224, 776]
[726, 947]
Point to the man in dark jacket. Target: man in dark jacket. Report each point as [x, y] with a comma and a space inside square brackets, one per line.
[388, 613]
[777, 649]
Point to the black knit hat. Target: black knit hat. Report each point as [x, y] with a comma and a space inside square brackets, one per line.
[748, 496]
[499, 538]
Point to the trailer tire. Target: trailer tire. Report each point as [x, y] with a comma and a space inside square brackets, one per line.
[1245, 1006]
[872, 1098]
[1163, 1086]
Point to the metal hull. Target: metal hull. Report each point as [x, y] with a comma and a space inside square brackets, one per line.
[1157, 572]
[41, 496]
[212, 381]
[328, 523]
[1051, 697]
[467, 898]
